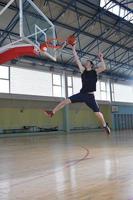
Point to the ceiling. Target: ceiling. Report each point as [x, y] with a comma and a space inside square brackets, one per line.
[96, 30]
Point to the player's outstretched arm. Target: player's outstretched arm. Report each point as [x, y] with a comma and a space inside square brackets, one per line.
[101, 65]
[77, 59]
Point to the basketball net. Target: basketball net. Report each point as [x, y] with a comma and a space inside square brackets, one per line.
[55, 43]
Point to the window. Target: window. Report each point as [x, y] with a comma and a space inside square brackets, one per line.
[34, 82]
[122, 12]
[117, 9]
[30, 82]
[70, 91]
[77, 84]
[111, 7]
[56, 79]
[97, 93]
[70, 85]
[69, 81]
[4, 79]
[129, 17]
[57, 85]
[123, 93]
[103, 86]
[102, 3]
[56, 91]
[4, 86]
[4, 72]
[103, 90]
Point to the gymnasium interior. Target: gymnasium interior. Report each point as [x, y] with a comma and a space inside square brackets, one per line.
[68, 156]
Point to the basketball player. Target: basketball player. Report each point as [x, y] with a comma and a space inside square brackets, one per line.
[86, 94]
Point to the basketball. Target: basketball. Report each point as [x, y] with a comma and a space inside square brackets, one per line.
[71, 40]
[43, 46]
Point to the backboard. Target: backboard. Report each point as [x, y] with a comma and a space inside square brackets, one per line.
[23, 24]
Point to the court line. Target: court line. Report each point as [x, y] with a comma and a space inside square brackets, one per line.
[67, 165]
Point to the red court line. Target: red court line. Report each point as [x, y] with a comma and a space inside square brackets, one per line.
[58, 170]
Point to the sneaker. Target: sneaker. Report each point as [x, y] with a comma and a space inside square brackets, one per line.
[107, 129]
[49, 113]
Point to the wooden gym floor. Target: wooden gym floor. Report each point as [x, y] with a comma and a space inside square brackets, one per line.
[78, 166]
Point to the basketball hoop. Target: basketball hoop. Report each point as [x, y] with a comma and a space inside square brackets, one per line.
[31, 50]
[55, 43]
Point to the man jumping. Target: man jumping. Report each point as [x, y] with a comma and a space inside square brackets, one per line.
[86, 94]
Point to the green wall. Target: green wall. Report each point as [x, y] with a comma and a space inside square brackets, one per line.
[78, 115]
[106, 110]
[82, 116]
[14, 118]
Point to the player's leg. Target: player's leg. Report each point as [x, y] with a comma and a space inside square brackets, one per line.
[72, 99]
[100, 117]
[57, 108]
[61, 105]
[91, 102]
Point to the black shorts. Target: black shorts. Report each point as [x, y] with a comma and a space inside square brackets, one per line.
[88, 99]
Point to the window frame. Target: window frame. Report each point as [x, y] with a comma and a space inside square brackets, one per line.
[6, 79]
[70, 86]
[60, 86]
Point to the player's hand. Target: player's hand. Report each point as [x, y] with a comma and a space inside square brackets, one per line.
[100, 55]
[73, 47]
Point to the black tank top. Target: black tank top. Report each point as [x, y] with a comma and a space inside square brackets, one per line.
[89, 79]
